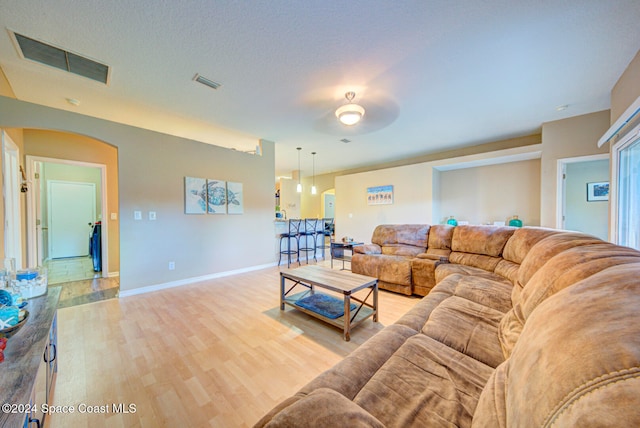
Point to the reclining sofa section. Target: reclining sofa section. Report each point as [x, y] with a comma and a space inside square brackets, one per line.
[541, 330]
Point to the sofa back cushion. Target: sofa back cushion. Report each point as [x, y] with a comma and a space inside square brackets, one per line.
[407, 234]
[577, 362]
[561, 271]
[479, 246]
[483, 240]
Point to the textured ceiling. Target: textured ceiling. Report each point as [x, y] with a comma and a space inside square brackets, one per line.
[433, 75]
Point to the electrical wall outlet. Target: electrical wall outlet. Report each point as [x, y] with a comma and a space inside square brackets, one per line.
[152, 215]
[137, 215]
[172, 265]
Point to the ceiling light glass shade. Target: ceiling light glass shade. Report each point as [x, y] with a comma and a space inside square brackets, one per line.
[313, 190]
[299, 188]
[350, 114]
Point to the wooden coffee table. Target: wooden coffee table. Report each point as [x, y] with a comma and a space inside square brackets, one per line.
[344, 283]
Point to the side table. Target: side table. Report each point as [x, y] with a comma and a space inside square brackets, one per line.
[338, 251]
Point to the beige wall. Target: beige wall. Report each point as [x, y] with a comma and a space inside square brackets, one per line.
[626, 90]
[151, 168]
[491, 193]
[567, 138]
[411, 200]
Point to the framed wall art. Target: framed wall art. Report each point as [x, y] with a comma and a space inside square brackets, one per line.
[216, 196]
[598, 191]
[380, 195]
[235, 203]
[195, 195]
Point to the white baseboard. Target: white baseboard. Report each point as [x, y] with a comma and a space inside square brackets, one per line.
[186, 281]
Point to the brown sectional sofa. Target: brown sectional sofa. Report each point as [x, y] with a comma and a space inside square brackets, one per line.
[541, 331]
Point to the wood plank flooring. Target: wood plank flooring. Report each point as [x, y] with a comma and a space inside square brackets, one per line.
[214, 354]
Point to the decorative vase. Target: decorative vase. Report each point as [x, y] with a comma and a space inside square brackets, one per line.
[515, 222]
[452, 221]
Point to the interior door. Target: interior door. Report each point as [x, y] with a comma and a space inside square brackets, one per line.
[72, 212]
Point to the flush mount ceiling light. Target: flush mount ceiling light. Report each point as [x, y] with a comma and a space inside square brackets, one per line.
[350, 114]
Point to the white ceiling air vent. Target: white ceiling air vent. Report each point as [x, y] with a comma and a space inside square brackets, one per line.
[207, 82]
[62, 59]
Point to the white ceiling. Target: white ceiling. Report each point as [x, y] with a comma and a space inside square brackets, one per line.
[432, 74]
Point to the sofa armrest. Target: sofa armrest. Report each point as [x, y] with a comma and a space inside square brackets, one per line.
[323, 407]
[367, 249]
[441, 259]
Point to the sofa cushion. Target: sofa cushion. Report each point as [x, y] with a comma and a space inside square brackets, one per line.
[425, 383]
[481, 261]
[577, 362]
[446, 269]
[548, 247]
[562, 270]
[367, 249]
[323, 408]
[468, 327]
[351, 374]
[485, 240]
[407, 234]
[440, 236]
[394, 269]
[520, 243]
[402, 250]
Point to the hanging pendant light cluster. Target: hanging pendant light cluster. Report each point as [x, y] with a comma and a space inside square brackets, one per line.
[299, 186]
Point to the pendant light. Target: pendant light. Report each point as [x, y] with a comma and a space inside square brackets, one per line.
[313, 185]
[299, 186]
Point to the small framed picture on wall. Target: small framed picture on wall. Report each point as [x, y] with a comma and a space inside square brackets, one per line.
[598, 191]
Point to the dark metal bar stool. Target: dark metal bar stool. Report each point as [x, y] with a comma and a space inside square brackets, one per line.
[308, 233]
[324, 229]
[292, 233]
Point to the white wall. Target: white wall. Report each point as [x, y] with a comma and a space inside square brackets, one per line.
[485, 194]
[580, 215]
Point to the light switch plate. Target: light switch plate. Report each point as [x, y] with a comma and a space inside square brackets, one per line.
[152, 215]
[114, 216]
[137, 215]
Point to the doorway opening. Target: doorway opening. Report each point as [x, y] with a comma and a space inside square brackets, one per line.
[576, 210]
[66, 205]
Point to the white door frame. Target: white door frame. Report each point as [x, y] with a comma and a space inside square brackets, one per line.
[629, 138]
[11, 196]
[560, 192]
[33, 204]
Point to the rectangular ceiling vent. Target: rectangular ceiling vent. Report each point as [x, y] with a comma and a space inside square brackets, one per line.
[207, 82]
[62, 59]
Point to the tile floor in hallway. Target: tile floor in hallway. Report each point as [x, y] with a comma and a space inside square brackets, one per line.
[80, 284]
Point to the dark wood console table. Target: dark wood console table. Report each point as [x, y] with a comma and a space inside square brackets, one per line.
[30, 355]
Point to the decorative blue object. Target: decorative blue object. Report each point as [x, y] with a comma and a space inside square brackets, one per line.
[325, 305]
[6, 299]
[26, 275]
[9, 316]
[515, 221]
[452, 221]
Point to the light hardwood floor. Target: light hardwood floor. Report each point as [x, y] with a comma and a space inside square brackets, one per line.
[213, 354]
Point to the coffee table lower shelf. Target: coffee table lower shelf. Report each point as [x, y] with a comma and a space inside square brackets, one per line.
[358, 317]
